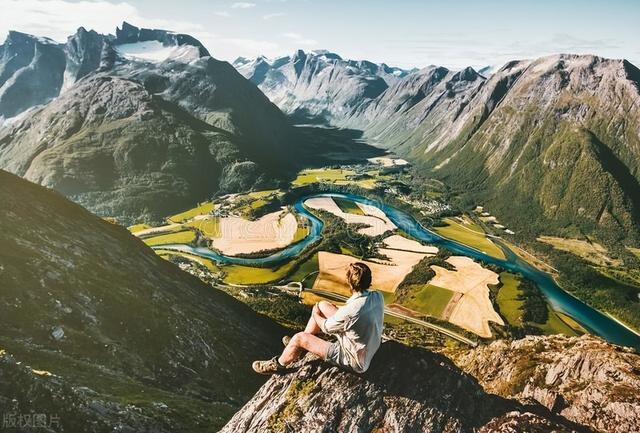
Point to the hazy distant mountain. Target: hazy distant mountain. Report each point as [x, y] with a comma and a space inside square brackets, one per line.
[550, 144]
[104, 334]
[318, 84]
[147, 123]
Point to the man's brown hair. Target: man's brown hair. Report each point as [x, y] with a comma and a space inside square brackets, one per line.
[359, 277]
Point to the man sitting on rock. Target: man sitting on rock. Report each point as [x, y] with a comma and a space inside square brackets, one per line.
[357, 326]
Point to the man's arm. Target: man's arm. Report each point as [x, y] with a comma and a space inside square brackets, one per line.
[336, 323]
[318, 317]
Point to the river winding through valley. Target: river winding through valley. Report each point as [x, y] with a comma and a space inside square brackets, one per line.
[590, 318]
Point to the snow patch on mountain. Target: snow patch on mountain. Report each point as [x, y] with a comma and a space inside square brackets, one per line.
[154, 51]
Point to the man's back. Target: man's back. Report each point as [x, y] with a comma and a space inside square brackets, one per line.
[358, 326]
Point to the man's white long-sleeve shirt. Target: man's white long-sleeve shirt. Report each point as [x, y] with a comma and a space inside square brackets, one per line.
[358, 326]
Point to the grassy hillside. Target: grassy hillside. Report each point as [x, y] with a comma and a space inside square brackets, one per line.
[127, 337]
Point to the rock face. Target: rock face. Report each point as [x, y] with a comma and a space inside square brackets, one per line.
[405, 390]
[318, 84]
[99, 330]
[145, 131]
[582, 379]
[86, 52]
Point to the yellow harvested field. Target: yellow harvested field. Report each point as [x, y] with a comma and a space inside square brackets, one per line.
[472, 310]
[592, 252]
[332, 175]
[241, 236]
[374, 218]
[398, 242]
[158, 230]
[467, 232]
[138, 227]
[208, 225]
[388, 162]
[333, 270]
[202, 209]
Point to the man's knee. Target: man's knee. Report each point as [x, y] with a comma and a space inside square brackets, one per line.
[298, 339]
[325, 304]
[327, 308]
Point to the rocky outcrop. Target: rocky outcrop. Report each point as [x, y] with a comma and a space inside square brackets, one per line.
[405, 390]
[582, 379]
[86, 52]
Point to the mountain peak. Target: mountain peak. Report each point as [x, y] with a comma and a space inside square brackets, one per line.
[130, 34]
[15, 36]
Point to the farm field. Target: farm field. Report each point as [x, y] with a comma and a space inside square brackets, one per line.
[508, 302]
[376, 221]
[138, 227]
[210, 226]
[330, 175]
[473, 310]
[428, 299]
[469, 234]
[201, 209]
[241, 236]
[332, 276]
[183, 237]
[248, 275]
[592, 252]
[347, 206]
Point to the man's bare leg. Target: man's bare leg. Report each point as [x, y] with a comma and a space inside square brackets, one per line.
[303, 341]
[307, 340]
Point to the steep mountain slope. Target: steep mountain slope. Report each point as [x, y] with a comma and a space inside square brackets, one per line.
[410, 390]
[318, 84]
[102, 332]
[114, 147]
[422, 106]
[556, 140]
[148, 123]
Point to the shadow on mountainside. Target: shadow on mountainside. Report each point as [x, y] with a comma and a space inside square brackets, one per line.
[324, 145]
[405, 390]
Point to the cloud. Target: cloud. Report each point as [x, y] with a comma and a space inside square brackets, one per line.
[222, 14]
[58, 19]
[299, 39]
[242, 5]
[273, 15]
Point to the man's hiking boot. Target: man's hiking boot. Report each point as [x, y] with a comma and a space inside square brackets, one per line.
[285, 340]
[271, 366]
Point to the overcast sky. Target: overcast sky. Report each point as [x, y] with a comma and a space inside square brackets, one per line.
[408, 33]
